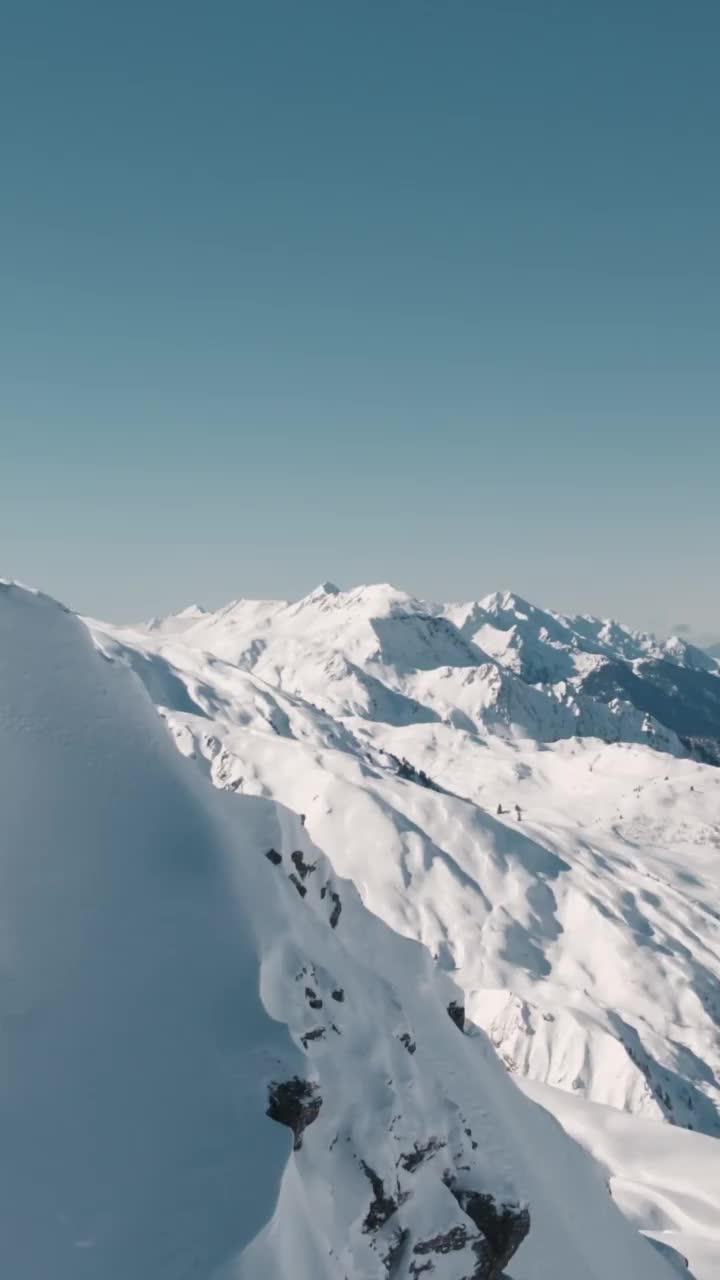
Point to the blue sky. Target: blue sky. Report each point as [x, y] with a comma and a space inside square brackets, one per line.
[413, 290]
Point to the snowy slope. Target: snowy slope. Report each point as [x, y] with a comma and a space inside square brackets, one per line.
[586, 936]
[664, 1179]
[134, 1035]
[180, 969]
[585, 941]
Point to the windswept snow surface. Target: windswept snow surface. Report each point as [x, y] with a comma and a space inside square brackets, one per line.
[664, 1179]
[585, 932]
[160, 975]
[135, 1042]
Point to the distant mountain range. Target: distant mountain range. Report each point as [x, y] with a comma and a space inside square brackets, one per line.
[507, 666]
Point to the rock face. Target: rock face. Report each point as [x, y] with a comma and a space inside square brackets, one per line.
[503, 1227]
[382, 1205]
[451, 1241]
[457, 1013]
[304, 869]
[482, 1255]
[295, 1103]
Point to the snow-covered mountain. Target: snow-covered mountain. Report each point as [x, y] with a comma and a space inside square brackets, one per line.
[526, 794]
[217, 1063]
[505, 665]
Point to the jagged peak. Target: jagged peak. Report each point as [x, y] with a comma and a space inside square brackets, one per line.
[322, 590]
[506, 602]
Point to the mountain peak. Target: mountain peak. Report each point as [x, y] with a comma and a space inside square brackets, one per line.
[506, 602]
[324, 589]
[192, 611]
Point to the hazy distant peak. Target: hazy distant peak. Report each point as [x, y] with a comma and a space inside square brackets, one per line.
[192, 611]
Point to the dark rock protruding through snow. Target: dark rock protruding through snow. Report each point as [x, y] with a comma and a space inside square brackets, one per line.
[295, 1103]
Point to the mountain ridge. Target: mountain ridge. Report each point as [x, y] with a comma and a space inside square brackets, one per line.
[580, 674]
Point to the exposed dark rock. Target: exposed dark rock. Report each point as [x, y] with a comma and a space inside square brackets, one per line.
[411, 1159]
[382, 1207]
[337, 908]
[318, 1033]
[503, 1228]
[313, 998]
[457, 1013]
[295, 1103]
[408, 1042]
[409, 773]
[304, 869]
[338, 995]
[448, 1242]
[273, 856]
[300, 887]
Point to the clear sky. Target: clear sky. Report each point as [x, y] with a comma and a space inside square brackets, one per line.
[425, 291]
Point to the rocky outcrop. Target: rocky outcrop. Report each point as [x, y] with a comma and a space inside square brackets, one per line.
[317, 1033]
[295, 1103]
[457, 1013]
[328, 891]
[410, 1160]
[382, 1206]
[304, 869]
[502, 1227]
